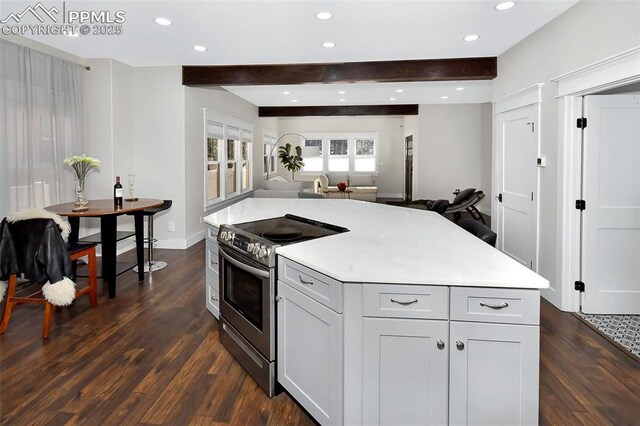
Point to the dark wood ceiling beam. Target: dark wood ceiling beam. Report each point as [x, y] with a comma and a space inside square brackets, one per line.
[324, 111]
[349, 72]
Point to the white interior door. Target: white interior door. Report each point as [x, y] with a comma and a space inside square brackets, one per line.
[517, 183]
[611, 189]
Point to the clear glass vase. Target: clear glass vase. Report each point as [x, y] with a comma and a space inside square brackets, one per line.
[81, 199]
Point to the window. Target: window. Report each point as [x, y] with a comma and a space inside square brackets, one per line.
[365, 157]
[312, 154]
[348, 152]
[269, 141]
[245, 158]
[228, 159]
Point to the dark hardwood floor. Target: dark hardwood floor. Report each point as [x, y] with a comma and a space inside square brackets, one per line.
[152, 356]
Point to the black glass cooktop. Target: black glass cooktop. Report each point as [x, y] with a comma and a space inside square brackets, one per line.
[289, 229]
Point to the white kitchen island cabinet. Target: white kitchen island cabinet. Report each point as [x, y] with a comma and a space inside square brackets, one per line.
[212, 279]
[309, 357]
[405, 372]
[351, 355]
[493, 374]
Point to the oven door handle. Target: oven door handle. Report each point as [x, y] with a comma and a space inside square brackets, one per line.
[244, 267]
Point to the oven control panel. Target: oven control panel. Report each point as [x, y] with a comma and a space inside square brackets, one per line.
[245, 244]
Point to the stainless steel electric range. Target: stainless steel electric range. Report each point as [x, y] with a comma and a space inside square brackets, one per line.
[248, 286]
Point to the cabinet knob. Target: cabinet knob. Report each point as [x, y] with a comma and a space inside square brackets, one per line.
[278, 298]
[440, 344]
[459, 345]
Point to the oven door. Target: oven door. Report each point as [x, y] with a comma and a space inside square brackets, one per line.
[247, 300]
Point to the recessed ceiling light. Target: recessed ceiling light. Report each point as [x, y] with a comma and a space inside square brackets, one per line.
[286, 92]
[471, 37]
[399, 90]
[392, 99]
[444, 97]
[505, 5]
[323, 16]
[328, 44]
[459, 88]
[162, 21]
[341, 92]
[294, 100]
[342, 100]
[199, 48]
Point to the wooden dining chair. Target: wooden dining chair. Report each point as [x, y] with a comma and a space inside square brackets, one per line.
[76, 251]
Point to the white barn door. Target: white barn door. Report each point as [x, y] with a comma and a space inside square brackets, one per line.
[611, 220]
[517, 183]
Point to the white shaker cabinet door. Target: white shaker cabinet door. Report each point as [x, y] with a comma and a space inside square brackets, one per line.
[310, 354]
[494, 374]
[406, 372]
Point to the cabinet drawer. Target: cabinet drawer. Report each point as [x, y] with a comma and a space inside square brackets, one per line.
[406, 301]
[212, 259]
[495, 305]
[319, 287]
[213, 297]
[212, 233]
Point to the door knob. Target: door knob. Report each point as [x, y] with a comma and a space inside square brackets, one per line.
[440, 344]
[460, 345]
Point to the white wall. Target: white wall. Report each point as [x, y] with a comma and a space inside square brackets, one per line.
[449, 149]
[159, 147]
[229, 104]
[588, 32]
[390, 180]
[486, 156]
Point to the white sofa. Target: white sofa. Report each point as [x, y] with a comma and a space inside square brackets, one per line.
[362, 186]
[279, 187]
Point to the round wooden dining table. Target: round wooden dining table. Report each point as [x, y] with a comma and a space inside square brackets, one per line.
[108, 214]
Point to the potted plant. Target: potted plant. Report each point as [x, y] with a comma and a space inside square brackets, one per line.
[291, 162]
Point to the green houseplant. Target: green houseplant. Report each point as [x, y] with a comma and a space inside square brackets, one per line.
[291, 162]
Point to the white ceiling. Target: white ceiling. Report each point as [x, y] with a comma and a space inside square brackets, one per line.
[272, 32]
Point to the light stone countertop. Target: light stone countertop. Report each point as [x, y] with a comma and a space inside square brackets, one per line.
[387, 244]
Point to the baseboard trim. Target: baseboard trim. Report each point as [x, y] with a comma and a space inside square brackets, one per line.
[390, 195]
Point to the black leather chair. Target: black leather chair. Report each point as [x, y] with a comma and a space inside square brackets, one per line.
[466, 200]
[153, 265]
[479, 230]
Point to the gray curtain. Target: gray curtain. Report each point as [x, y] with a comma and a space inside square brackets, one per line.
[41, 123]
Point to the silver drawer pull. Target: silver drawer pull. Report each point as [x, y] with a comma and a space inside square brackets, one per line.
[303, 281]
[504, 305]
[213, 298]
[400, 302]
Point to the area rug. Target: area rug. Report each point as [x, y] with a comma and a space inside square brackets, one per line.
[623, 330]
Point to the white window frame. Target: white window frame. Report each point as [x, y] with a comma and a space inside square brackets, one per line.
[351, 138]
[246, 132]
[269, 139]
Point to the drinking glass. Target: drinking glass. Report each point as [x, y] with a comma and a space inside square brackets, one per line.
[131, 180]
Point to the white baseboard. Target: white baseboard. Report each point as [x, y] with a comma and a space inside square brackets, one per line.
[181, 244]
[390, 195]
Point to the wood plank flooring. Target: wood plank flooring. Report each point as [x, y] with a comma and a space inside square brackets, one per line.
[152, 356]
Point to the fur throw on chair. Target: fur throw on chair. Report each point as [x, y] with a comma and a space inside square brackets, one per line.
[33, 243]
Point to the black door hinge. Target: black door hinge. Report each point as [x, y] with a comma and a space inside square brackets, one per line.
[582, 123]
[500, 197]
[581, 204]
[579, 286]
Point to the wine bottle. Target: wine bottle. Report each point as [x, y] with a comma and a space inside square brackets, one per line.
[117, 193]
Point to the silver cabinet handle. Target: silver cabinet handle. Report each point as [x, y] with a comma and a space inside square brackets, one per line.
[460, 345]
[497, 307]
[400, 302]
[278, 298]
[303, 281]
[440, 344]
[215, 299]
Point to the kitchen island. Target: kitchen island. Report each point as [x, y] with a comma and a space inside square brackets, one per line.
[405, 319]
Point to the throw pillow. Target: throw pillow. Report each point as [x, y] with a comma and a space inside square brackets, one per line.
[361, 180]
[324, 181]
[283, 186]
[335, 179]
